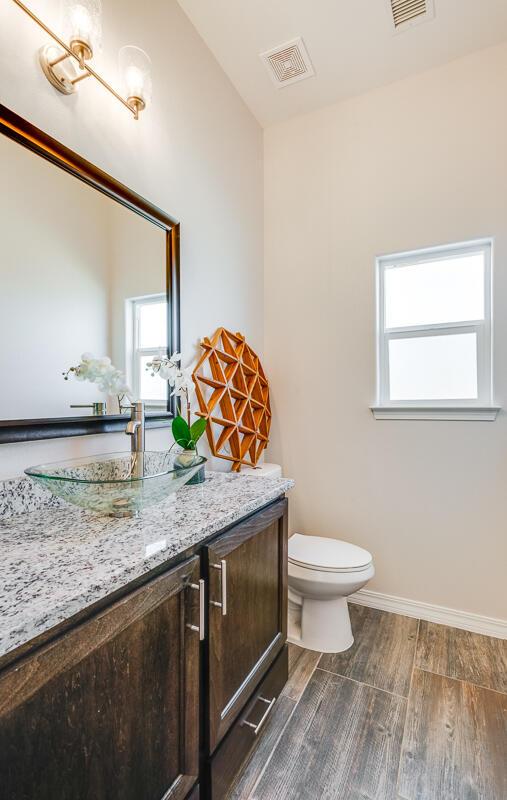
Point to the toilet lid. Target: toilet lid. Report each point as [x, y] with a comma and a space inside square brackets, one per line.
[328, 555]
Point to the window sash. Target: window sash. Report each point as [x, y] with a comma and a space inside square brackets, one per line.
[136, 353]
[482, 328]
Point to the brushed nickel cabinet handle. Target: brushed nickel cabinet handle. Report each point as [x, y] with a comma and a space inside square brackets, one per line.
[222, 566]
[199, 628]
[257, 728]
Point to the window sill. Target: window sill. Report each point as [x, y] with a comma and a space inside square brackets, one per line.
[463, 413]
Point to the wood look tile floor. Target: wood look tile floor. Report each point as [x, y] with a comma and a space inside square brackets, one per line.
[383, 651]
[413, 711]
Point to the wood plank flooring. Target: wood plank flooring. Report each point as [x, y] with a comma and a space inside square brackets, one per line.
[460, 654]
[455, 741]
[343, 740]
[383, 651]
[343, 729]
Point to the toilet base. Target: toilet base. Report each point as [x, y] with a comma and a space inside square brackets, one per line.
[324, 626]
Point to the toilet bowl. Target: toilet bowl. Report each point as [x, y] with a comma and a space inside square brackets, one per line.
[322, 574]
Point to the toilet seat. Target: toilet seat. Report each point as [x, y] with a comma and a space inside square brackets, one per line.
[321, 554]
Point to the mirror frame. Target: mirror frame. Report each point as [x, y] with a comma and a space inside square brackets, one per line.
[27, 135]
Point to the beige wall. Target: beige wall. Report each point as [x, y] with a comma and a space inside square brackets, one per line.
[197, 153]
[54, 276]
[417, 163]
[137, 251]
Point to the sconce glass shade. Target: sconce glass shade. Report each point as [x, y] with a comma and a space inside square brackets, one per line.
[82, 24]
[135, 71]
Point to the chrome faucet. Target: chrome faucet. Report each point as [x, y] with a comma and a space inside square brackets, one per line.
[135, 427]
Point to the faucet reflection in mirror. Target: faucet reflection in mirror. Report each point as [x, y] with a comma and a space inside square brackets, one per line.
[65, 65]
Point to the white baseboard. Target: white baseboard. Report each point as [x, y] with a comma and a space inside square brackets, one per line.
[489, 626]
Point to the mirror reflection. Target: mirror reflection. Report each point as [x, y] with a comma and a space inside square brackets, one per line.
[81, 276]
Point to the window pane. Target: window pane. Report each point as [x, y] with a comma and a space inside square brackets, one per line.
[433, 367]
[447, 290]
[151, 388]
[153, 325]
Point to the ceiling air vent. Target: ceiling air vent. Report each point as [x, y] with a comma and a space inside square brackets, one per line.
[406, 13]
[288, 63]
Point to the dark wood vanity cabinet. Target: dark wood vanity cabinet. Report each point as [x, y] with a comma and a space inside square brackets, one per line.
[155, 697]
[248, 612]
[110, 710]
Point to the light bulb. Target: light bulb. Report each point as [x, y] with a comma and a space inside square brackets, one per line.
[135, 71]
[82, 25]
[134, 82]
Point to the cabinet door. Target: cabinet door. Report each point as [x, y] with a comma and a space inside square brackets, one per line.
[110, 710]
[247, 611]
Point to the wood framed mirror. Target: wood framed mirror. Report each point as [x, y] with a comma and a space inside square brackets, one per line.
[86, 265]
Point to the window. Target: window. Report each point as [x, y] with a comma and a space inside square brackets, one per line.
[434, 333]
[146, 334]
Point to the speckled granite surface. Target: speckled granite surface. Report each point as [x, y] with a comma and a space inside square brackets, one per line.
[20, 495]
[56, 561]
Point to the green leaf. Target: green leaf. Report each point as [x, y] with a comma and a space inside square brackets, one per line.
[198, 428]
[181, 432]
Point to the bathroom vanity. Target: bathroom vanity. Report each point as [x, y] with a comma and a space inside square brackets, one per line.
[140, 658]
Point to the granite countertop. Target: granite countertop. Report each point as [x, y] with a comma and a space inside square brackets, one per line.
[58, 559]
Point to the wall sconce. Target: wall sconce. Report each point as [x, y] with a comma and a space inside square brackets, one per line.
[135, 69]
[65, 65]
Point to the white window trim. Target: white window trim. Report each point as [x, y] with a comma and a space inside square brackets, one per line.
[132, 351]
[442, 413]
[481, 408]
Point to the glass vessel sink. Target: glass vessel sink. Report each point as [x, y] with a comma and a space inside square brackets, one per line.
[118, 484]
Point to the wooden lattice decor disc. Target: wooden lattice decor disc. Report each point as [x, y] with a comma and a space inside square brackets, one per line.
[233, 395]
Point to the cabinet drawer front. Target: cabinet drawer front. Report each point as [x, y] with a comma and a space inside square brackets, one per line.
[110, 709]
[243, 736]
[252, 589]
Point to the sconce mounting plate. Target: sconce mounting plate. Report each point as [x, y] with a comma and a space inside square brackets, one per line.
[62, 73]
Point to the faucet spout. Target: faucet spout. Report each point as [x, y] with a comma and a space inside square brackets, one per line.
[135, 427]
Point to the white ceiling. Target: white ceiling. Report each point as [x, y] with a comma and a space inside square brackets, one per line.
[351, 43]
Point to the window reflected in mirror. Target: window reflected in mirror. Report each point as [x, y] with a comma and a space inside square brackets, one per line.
[146, 338]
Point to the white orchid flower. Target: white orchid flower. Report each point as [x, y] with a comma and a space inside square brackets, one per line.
[183, 384]
[102, 372]
[179, 379]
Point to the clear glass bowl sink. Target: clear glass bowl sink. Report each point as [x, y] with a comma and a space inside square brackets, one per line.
[118, 484]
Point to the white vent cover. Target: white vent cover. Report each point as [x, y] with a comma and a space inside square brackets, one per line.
[288, 63]
[406, 13]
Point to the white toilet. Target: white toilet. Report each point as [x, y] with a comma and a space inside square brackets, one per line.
[322, 573]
